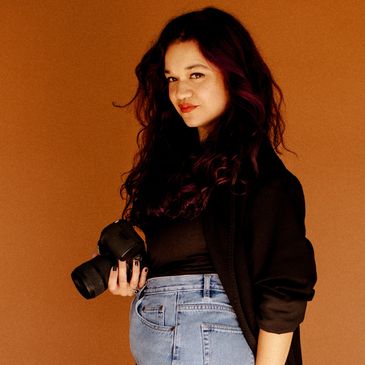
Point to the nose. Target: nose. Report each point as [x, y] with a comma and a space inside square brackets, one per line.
[182, 90]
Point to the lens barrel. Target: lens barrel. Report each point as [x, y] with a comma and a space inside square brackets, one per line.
[91, 277]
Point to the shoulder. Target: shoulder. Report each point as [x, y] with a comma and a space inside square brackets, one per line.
[273, 174]
[281, 184]
[276, 188]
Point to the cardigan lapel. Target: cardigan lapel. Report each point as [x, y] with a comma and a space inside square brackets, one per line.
[219, 225]
[216, 220]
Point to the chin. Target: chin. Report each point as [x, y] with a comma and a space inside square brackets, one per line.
[192, 125]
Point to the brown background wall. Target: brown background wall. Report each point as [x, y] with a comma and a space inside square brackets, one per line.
[63, 147]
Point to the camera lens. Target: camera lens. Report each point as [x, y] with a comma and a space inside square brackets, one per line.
[91, 277]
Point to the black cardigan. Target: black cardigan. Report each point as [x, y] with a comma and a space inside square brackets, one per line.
[258, 246]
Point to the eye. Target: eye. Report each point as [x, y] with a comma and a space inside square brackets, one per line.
[170, 79]
[196, 75]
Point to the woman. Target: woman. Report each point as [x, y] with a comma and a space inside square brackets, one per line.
[230, 269]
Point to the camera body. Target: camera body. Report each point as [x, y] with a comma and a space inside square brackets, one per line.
[118, 241]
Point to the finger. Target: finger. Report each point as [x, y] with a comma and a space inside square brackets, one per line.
[113, 279]
[143, 278]
[135, 274]
[122, 273]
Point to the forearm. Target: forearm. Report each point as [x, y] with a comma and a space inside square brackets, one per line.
[273, 348]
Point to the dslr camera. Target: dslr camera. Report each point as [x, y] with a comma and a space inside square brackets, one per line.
[118, 241]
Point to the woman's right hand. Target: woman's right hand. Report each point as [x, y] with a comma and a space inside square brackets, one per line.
[118, 284]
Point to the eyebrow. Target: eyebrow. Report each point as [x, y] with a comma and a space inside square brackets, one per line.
[191, 67]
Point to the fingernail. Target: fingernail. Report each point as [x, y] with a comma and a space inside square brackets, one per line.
[145, 269]
[115, 267]
[136, 262]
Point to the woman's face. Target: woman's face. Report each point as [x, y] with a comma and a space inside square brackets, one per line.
[196, 86]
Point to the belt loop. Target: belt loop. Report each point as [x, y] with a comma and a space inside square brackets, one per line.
[206, 291]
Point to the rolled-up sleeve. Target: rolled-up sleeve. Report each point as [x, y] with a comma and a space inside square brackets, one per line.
[281, 257]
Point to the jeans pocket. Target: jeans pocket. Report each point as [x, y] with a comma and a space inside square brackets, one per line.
[224, 344]
[150, 341]
[151, 314]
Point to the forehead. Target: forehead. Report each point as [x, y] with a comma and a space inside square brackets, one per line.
[184, 54]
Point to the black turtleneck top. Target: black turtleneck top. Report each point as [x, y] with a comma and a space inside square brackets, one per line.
[177, 247]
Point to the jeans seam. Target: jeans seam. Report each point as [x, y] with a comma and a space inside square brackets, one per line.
[216, 327]
[203, 307]
[205, 344]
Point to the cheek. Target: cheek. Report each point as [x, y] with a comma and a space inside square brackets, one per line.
[222, 96]
[225, 98]
[171, 95]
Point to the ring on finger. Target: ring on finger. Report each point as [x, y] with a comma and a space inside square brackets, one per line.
[135, 290]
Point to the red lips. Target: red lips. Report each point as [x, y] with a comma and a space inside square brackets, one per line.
[187, 108]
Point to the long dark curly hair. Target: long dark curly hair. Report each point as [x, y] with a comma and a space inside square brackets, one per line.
[173, 174]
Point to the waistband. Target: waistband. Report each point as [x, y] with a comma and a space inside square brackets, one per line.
[204, 282]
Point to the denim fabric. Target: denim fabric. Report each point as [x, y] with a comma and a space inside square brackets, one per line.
[186, 320]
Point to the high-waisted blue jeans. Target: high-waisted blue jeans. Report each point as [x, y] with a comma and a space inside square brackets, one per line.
[186, 320]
